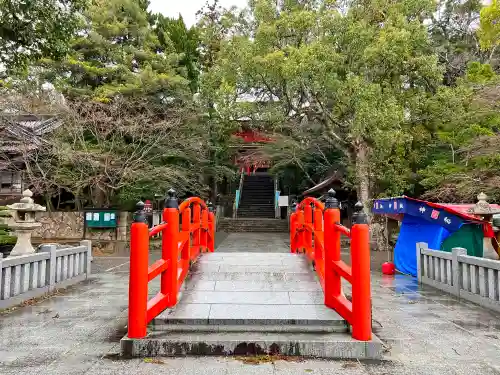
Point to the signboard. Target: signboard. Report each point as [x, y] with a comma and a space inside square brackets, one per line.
[148, 208]
[283, 201]
[101, 219]
[403, 206]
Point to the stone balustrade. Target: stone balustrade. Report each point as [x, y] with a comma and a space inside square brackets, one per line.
[33, 275]
[467, 277]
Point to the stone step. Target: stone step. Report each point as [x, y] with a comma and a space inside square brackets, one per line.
[258, 215]
[241, 314]
[256, 208]
[255, 224]
[256, 204]
[261, 309]
[253, 221]
[317, 345]
[281, 328]
[250, 229]
[257, 228]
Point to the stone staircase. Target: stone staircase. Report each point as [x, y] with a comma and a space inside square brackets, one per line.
[247, 304]
[257, 197]
[245, 225]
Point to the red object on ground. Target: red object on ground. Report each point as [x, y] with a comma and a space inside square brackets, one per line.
[388, 268]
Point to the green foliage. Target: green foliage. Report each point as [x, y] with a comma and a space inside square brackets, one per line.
[489, 32]
[463, 161]
[393, 96]
[358, 77]
[116, 55]
[108, 154]
[30, 30]
[173, 35]
[452, 32]
[5, 234]
[480, 73]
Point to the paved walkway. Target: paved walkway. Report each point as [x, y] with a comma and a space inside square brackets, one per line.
[78, 332]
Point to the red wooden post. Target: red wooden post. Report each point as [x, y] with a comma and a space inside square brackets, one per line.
[204, 231]
[318, 229]
[293, 229]
[308, 233]
[361, 293]
[333, 284]
[186, 227]
[170, 250]
[138, 284]
[300, 245]
[197, 223]
[211, 229]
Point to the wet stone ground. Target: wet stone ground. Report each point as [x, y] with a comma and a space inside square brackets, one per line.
[78, 331]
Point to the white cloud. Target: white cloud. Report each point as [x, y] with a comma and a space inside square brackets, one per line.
[188, 8]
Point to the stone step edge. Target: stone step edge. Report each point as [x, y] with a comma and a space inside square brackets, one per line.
[328, 346]
[159, 320]
[215, 328]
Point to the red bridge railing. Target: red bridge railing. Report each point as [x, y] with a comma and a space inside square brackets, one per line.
[181, 245]
[315, 230]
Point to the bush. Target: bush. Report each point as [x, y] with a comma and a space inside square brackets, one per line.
[6, 238]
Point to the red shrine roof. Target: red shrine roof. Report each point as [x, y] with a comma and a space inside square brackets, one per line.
[253, 137]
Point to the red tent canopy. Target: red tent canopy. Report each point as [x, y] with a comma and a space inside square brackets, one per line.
[461, 210]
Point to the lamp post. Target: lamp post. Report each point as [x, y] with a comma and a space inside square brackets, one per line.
[485, 211]
[24, 223]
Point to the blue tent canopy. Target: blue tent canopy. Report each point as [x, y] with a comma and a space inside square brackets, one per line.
[421, 222]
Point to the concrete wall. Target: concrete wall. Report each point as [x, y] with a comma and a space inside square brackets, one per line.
[471, 278]
[28, 276]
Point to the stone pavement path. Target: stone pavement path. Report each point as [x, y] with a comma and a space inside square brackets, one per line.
[78, 332]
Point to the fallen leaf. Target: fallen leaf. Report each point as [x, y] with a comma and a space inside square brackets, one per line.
[349, 365]
[266, 358]
[155, 361]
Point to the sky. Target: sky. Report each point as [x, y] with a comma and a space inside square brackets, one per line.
[187, 8]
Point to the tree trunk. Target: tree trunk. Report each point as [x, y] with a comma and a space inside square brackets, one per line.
[215, 190]
[363, 172]
[378, 230]
[98, 197]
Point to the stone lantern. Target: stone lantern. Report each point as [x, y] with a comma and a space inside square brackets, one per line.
[24, 223]
[485, 212]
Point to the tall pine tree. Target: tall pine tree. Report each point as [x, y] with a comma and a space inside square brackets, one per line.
[117, 54]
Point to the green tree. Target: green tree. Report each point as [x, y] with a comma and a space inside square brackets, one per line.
[6, 236]
[453, 35]
[116, 54]
[367, 77]
[463, 159]
[174, 35]
[214, 26]
[30, 30]
[489, 32]
[106, 154]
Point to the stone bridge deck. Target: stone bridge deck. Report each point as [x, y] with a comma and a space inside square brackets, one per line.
[251, 302]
